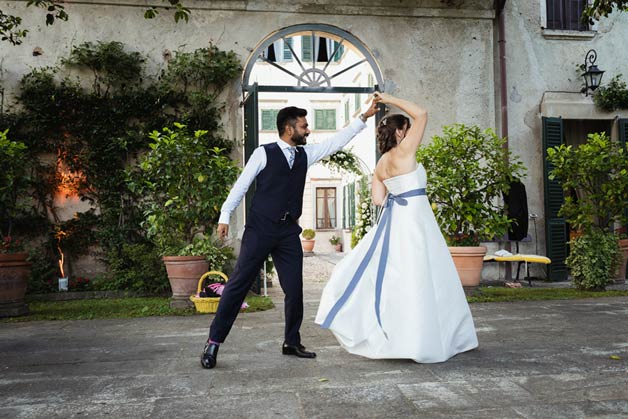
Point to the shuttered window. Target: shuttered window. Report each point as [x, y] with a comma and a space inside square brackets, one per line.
[565, 15]
[556, 235]
[325, 119]
[306, 48]
[269, 119]
[287, 53]
[348, 211]
[623, 138]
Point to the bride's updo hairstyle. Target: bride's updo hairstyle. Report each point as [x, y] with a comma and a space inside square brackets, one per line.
[386, 130]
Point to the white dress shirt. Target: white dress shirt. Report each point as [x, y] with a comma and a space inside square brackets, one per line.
[257, 163]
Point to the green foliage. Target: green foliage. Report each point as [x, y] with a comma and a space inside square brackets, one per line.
[468, 171]
[364, 214]
[203, 70]
[111, 64]
[308, 234]
[334, 240]
[95, 134]
[593, 258]
[217, 255]
[499, 294]
[14, 181]
[182, 184]
[601, 8]
[10, 25]
[612, 96]
[597, 172]
[10, 29]
[134, 267]
[344, 160]
[119, 308]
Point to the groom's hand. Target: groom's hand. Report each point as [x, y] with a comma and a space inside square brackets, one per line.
[372, 110]
[222, 230]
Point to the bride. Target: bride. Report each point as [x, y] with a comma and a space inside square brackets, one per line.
[397, 294]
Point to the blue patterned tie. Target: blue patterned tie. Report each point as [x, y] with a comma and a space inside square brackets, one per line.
[292, 151]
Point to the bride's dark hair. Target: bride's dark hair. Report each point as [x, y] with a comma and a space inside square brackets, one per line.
[386, 130]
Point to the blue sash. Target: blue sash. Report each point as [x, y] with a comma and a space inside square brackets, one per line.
[382, 227]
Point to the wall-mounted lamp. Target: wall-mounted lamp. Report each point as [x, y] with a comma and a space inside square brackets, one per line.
[592, 75]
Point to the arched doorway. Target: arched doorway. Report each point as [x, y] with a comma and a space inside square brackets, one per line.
[306, 59]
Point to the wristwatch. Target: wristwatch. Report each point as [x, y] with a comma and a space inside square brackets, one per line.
[363, 118]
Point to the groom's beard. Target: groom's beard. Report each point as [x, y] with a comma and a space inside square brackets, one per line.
[299, 139]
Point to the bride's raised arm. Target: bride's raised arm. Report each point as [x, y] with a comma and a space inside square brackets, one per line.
[417, 114]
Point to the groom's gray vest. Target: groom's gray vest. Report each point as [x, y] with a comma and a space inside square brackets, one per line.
[279, 188]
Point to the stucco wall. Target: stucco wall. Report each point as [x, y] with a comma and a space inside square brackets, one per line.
[438, 55]
[541, 61]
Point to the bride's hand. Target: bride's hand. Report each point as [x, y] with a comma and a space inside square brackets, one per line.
[379, 97]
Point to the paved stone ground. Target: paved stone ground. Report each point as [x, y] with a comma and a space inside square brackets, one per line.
[550, 359]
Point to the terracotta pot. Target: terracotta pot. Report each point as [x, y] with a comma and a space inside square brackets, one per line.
[621, 275]
[14, 274]
[308, 245]
[183, 274]
[469, 261]
[338, 247]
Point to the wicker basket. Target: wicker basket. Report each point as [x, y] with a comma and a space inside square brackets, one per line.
[206, 304]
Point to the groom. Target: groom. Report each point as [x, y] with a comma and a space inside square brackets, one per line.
[279, 169]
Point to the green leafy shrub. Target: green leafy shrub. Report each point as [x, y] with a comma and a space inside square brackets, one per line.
[468, 171]
[592, 259]
[612, 96]
[182, 183]
[134, 267]
[218, 256]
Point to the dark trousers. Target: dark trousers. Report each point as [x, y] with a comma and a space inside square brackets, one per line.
[261, 238]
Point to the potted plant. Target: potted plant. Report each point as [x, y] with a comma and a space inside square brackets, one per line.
[308, 240]
[335, 241]
[181, 184]
[622, 234]
[14, 267]
[468, 170]
[594, 177]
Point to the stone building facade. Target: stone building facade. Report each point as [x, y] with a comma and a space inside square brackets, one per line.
[444, 54]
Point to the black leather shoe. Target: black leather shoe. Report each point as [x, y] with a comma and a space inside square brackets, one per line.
[298, 350]
[209, 356]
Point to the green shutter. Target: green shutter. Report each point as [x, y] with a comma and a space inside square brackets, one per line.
[347, 112]
[339, 52]
[555, 227]
[269, 119]
[352, 205]
[325, 119]
[287, 53]
[306, 48]
[251, 137]
[623, 139]
[357, 104]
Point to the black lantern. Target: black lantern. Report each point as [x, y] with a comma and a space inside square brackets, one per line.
[592, 75]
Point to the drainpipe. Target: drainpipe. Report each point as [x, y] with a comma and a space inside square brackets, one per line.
[503, 92]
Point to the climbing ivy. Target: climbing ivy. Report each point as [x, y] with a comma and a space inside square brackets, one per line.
[96, 132]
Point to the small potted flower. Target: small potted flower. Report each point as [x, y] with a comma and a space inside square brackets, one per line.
[335, 241]
[308, 240]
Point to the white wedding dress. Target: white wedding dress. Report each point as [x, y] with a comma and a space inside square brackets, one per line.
[423, 312]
